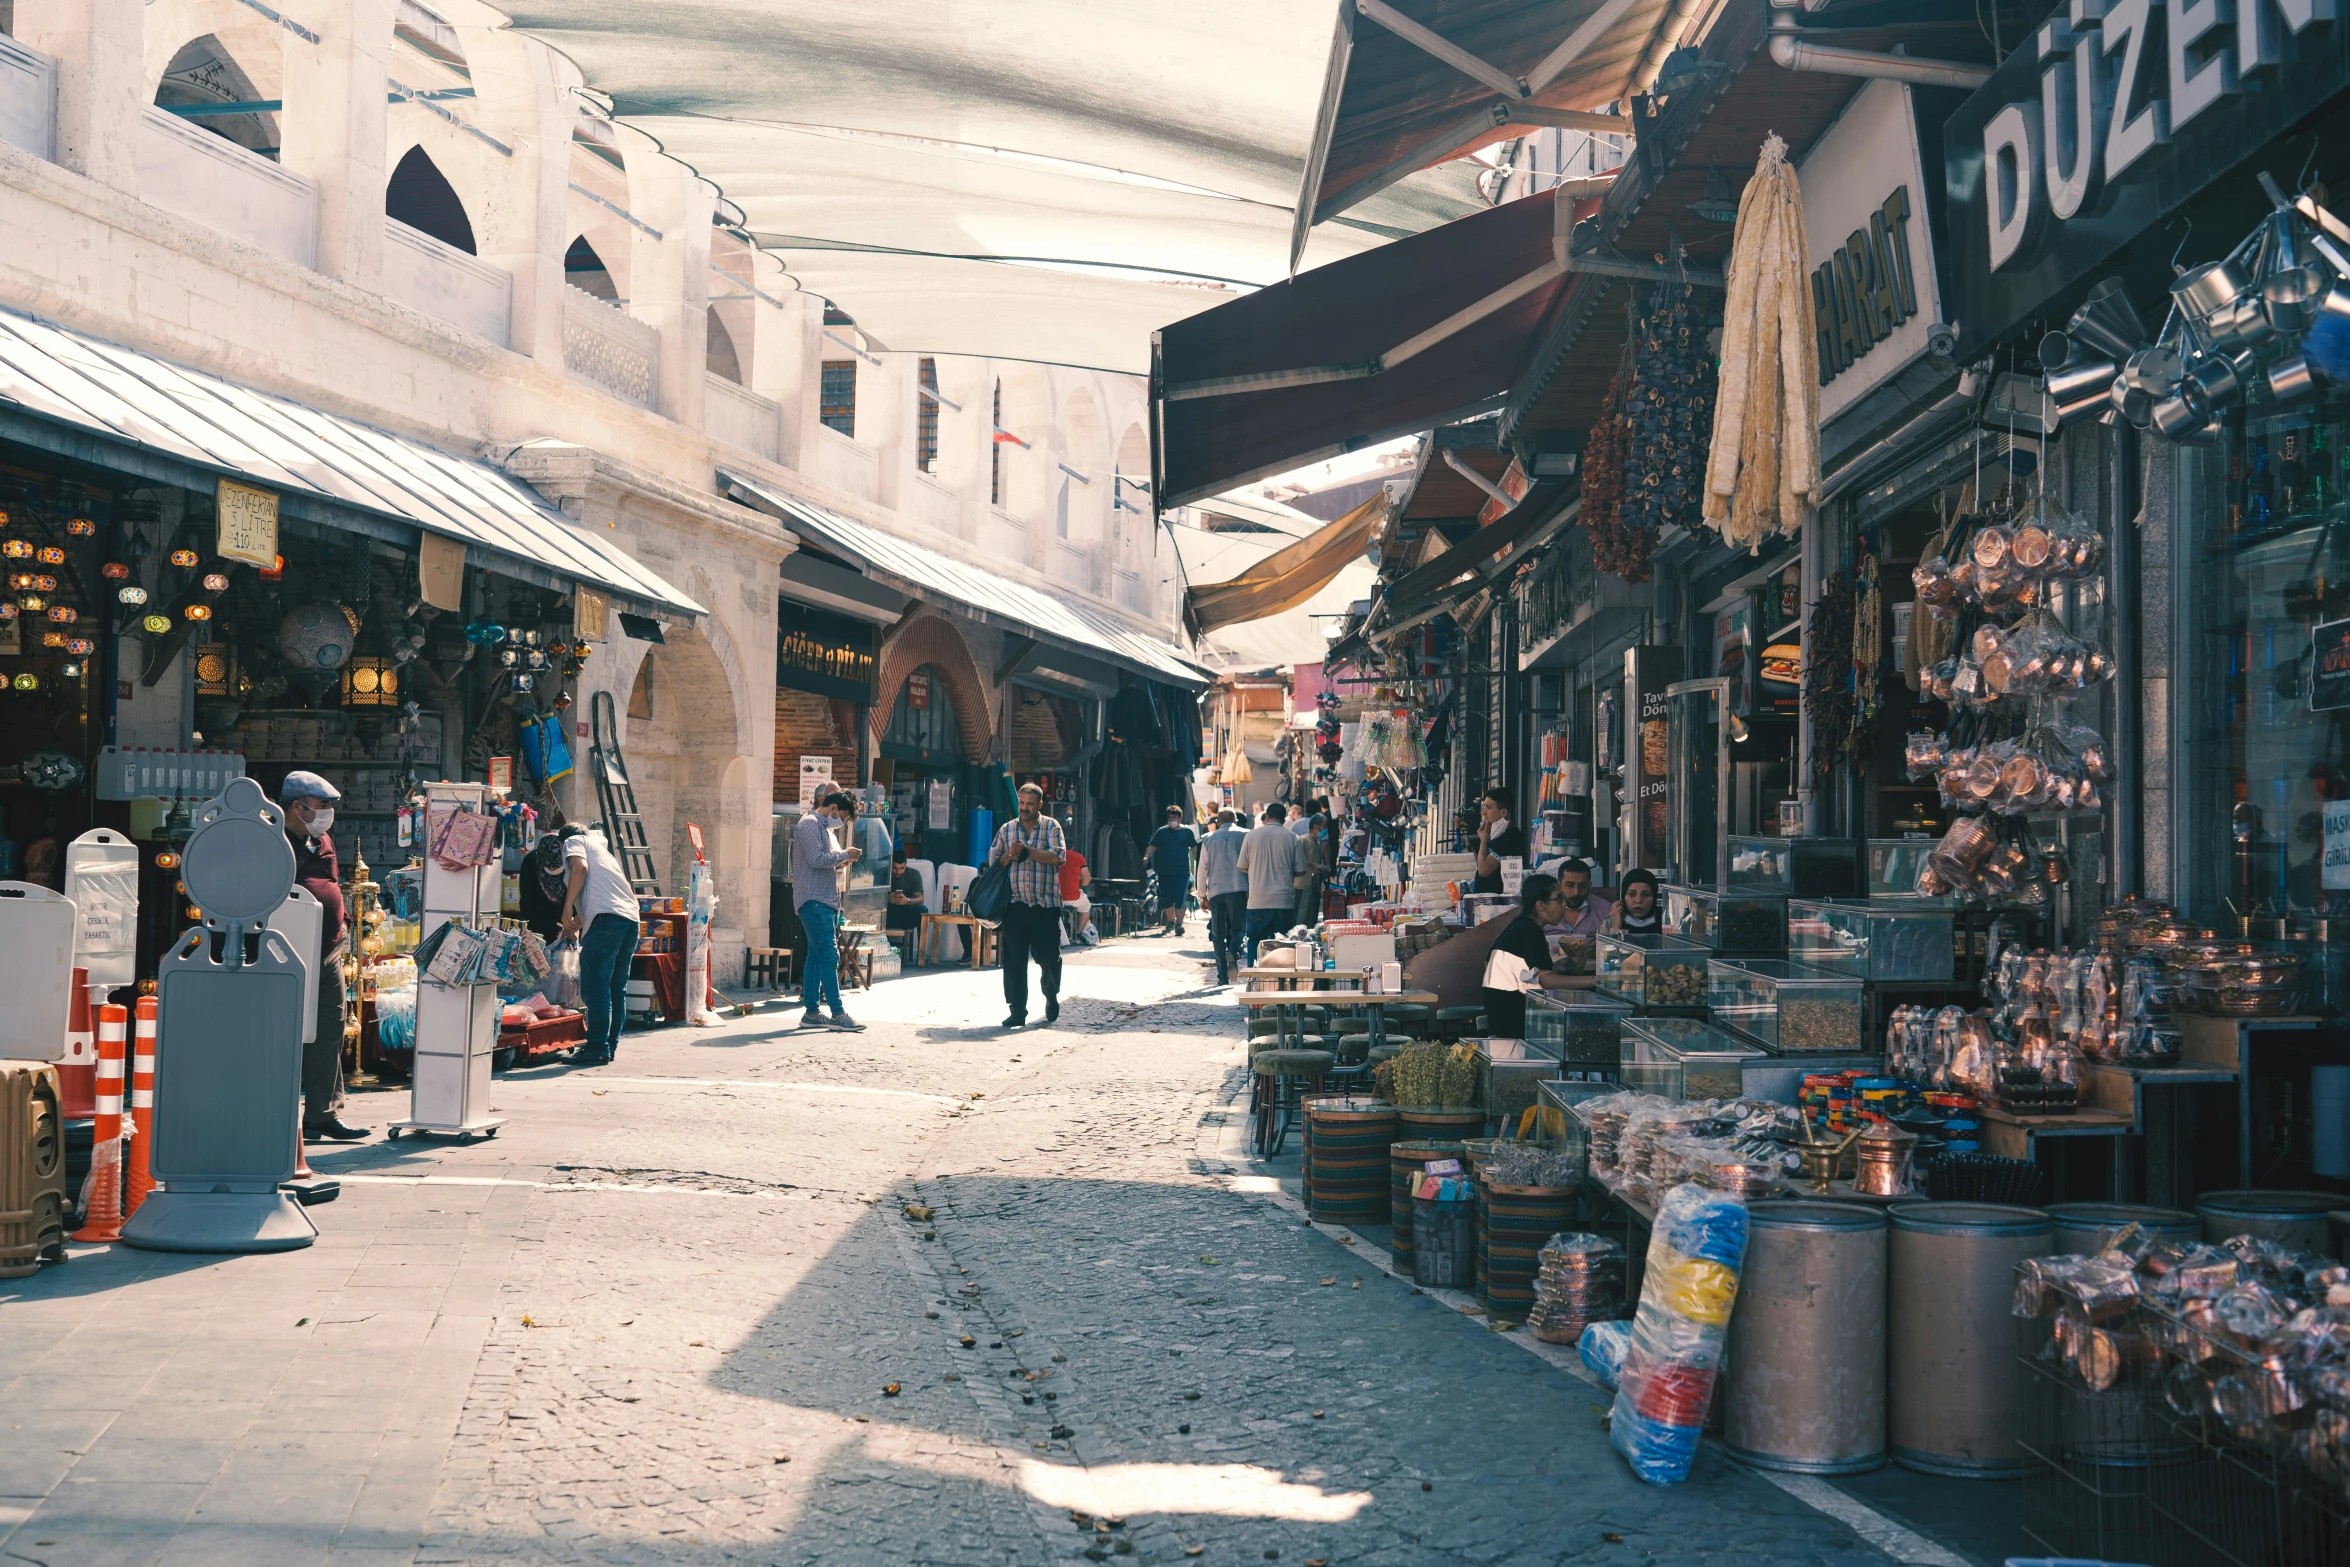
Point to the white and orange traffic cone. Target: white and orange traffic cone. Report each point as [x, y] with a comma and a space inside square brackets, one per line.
[77, 1069]
[102, 1193]
[141, 1179]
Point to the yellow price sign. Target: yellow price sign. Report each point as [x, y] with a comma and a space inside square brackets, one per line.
[248, 523]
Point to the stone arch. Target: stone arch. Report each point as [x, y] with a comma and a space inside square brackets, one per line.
[420, 195]
[934, 640]
[204, 73]
[1028, 414]
[585, 269]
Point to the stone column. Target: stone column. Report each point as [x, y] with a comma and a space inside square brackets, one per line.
[99, 46]
[523, 97]
[334, 127]
[669, 271]
[779, 350]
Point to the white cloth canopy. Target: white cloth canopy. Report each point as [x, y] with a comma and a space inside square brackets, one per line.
[1030, 179]
[1295, 636]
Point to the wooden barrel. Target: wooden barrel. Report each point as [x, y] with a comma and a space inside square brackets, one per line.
[1403, 1164]
[1441, 1125]
[1516, 1222]
[1346, 1158]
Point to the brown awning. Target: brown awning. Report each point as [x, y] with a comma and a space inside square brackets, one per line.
[1427, 331]
[1287, 577]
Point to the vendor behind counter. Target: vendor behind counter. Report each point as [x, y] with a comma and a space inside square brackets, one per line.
[1521, 959]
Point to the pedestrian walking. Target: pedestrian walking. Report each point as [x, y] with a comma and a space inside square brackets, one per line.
[1224, 890]
[1032, 845]
[1172, 847]
[817, 859]
[600, 913]
[1310, 869]
[309, 803]
[1269, 858]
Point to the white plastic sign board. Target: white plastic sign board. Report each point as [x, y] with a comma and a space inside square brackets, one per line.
[36, 971]
[102, 879]
[2335, 875]
[301, 919]
[815, 780]
[942, 806]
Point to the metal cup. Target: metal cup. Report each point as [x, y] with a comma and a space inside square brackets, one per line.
[2107, 322]
[2080, 387]
[2203, 291]
[2175, 421]
[2291, 379]
[2290, 298]
[2240, 323]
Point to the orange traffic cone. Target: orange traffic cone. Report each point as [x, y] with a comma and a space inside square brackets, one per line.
[77, 1069]
[102, 1193]
[141, 1179]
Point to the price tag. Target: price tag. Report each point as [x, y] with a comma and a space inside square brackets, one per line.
[247, 523]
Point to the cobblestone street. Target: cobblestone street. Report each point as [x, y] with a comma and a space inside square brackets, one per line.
[927, 1294]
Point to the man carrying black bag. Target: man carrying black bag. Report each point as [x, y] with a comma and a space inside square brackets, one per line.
[1031, 846]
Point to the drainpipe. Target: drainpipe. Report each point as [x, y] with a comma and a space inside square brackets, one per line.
[1792, 51]
[1668, 37]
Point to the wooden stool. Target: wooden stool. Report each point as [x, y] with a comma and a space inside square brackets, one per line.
[1280, 1080]
[768, 966]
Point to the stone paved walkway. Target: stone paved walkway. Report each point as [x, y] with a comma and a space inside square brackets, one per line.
[928, 1294]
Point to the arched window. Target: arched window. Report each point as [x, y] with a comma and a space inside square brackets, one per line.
[719, 357]
[205, 86]
[421, 197]
[584, 270]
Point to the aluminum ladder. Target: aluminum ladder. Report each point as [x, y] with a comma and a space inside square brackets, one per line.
[624, 827]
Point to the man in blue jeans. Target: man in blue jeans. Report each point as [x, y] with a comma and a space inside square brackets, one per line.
[815, 883]
[600, 913]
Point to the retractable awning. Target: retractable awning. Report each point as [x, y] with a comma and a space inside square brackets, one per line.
[78, 397]
[925, 573]
[1412, 83]
[1427, 331]
[1028, 179]
[1287, 577]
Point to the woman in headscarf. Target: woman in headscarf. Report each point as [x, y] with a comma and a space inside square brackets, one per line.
[1636, 911]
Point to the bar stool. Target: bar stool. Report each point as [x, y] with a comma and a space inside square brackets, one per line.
[1279, 1082]
[1453, 1022]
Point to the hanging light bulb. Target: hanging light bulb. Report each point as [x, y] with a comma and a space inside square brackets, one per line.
[27, 682]
[132, 594]
[275, 570]
[197, 612]
[167, 861]
[7, 610]
[70, 671]
[21, 581]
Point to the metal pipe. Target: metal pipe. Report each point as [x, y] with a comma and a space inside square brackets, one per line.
[1667, 38]
[1805, 738]
[2121, 606]
[1793, 52]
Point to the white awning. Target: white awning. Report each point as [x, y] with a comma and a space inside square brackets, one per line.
[1029, 179]
[325, 468]
[924, 572]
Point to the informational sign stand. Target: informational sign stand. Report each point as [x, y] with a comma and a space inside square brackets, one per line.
[456, 1025]
[102, 879]
[36, 967]
[228, 1055]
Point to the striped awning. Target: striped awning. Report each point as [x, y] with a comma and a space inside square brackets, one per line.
[81, 397]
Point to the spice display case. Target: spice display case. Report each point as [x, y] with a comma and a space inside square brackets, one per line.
[1682, 1058]
[1876, 939]
[1894, 864]
[1509, 1072]
[1787, 1008]
[1578, 1027]
[1797, 867]
[1737, 923]
[1650, 971]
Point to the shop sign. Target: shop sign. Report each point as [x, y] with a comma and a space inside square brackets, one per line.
[590, 611]
[918, 690]
[1873, 285]
[815, 780]
[1514, 483]
[941, 814]
[2329, 666]
[825, 654]
[2334, 874]
[2104, 122]
[502, 774]
[247, 523]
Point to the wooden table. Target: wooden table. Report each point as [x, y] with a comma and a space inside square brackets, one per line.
[2225, 1044]
[1291, 1004]
[2151, 1096]
[2013, 1136]
[979, 938]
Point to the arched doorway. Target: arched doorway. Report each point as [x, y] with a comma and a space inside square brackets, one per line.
[419, 195]
[681, 741]
[921, 762]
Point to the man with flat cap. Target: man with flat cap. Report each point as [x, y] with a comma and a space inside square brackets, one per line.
[309, 802]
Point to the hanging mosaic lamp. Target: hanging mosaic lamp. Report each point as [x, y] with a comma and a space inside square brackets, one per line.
[51, 555]
[215, 582]
[63, 614]
[155, 625]
[27, 682]
[16, 549]
[132, 594]
[80, 647]
[114, 571]
[183, 557]
[197, 612]
[82, 528]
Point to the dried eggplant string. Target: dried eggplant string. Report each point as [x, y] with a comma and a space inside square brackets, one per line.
[1827, 676]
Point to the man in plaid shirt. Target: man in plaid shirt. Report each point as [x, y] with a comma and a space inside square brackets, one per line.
[1032, 845]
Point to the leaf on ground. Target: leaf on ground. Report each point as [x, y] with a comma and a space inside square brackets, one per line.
[1326, 1283]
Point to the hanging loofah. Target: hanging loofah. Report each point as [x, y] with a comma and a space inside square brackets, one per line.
[1763, 466]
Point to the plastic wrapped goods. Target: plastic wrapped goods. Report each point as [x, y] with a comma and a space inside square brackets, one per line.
[1675, 1350]
[1602, 1349]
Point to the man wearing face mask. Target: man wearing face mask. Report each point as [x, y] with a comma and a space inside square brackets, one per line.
[309, 802]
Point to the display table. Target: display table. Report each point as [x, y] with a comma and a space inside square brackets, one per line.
[2012, 1136]
[1287, 978]
[979, 938]
[2225, 1044]
[1290, 1006]
[2153, 1098]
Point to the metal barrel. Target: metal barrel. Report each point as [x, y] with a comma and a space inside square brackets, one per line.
[1403, 1163]
[1514, 1224]
[1440, 1124]
[2292, 1219]
[1955, 1399]
[2085, 1227]
[1803, 1384]
[1346, 1158]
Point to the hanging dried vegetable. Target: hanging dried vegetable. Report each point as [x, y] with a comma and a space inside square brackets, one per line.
[1612, 549]
[1827, 675]
[1868, 644]
[1668, 413]
[1763, 463]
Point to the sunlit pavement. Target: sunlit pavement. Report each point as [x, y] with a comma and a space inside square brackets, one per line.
[930, 1293]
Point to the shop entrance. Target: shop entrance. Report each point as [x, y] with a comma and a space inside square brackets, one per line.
[922, 765]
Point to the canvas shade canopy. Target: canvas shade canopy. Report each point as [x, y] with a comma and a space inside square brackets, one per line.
[1296, 635]
[1027, 179]
[1288, 576]
[1427, 331]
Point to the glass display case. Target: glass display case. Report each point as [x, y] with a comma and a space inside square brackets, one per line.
[1697, 742]
[1787, 1008]
[1508, 1072]
[1682, 1058]
[1796, 867]
[1876, 939]
[1576, 1026]
[1649, 971]
[1894, 864]
[1741, 922]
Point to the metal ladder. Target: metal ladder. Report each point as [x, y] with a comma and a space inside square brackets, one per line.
[624, 828]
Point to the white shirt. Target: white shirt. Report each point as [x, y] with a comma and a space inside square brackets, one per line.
[606, 890]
